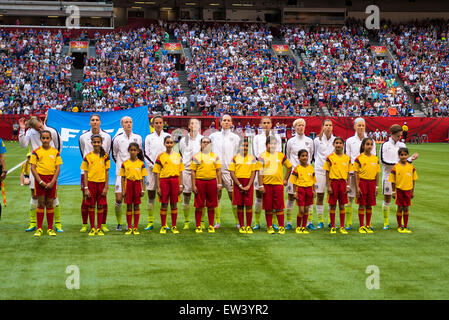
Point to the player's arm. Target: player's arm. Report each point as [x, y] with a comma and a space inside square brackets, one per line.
[251, 181]
[287, 173]
[328, 183]
[86, 179]
[219, 179]
[106, 183]
[193, 177]
[24, 139]
[357, 181]
[55, 177]
[158, 184]
[377, 183]
[181, 184]
[123, 187]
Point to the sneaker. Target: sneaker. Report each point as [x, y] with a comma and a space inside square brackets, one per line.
[51, 232]
[211, 229]
[288, 226]
[304, 231]
[400, 229]
[58, 228]
[242, 230]
[281, 230]
[387, 227]
[333, 231]
[135, 231]
[163, 230]
[311, 226]
[38, 232]
[362, 229]
[83, 228]
[119, 228]
[92, 232]
[100, 232]
[186, 226]
[249, 229]
[343, 230]
[406, 230]
[256, 227]
[270, 230]
[31, 227]
[129, 231]
[320, 225]
[149, 227]
[174, 229]
[275, 227]
[369, 229]
[349, 227]
[298, 230]
[199, 230]
[104, 227]
[217, 226]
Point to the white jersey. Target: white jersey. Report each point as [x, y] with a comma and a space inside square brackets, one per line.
[120, 145]
[260, 146]
[86, 145]
[225, 145]
[154, 145]
[323, 148]
[296, 143]
[389, 155]
[352, 147]
[188, 147]
[32, 138]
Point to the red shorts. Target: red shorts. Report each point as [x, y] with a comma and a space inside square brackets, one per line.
[96, 189]
[207, 194]
[40, 191]
[305, 196]
[169, 190]
[403, 197]
[241, 198]
[367, 193]
[273, 198]
[133, 190]
[339, 193]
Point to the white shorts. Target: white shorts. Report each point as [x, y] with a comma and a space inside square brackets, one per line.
[118, 184]
[352, 192]
[386, 188]
[151, 182]
[320, 185]
[227, 181]
[187, 181]
[31, 181]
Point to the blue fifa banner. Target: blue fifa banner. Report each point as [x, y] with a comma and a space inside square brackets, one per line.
[71, 125]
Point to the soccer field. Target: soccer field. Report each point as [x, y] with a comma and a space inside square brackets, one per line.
[229, 265]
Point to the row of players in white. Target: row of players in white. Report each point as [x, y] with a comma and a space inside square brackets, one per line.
[225, 145]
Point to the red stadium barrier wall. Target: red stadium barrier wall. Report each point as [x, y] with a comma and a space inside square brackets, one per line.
[437, 129]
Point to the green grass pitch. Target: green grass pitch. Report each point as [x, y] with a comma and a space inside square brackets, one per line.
[228, 265]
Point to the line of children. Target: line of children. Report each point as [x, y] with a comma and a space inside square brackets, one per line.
[206, 181]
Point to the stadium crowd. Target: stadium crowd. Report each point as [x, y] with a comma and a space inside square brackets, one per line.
[232, 70]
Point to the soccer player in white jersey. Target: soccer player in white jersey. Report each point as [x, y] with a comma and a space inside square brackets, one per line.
[85, 145]
[120, 154]
[259, 147]
[225, 145]
[298, 142]
[323, 146]
[352, 149]
[31, 139]
[189, 146]
[154, 145]
[389, 157]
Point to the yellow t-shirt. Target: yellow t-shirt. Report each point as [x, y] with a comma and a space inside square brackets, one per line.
[367, 167]
[403, 176]
[169, 165]
[26, 168]
[303, 177]
[271, 167]
[96, 166]
[338, 166]
[405, 128]
[46, 160]
[205, 165]
[243, 166]
[133, 170]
